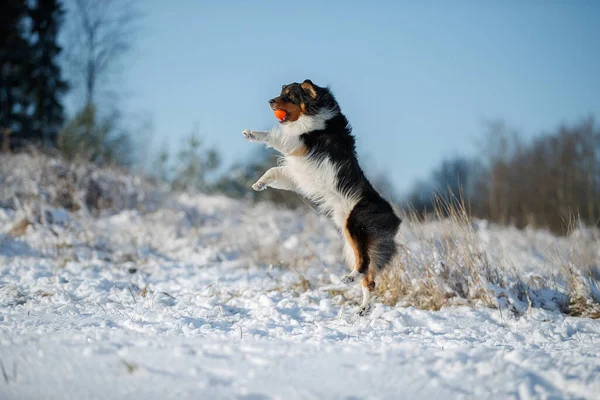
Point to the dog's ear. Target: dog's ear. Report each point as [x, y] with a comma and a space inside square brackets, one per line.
[310, 88]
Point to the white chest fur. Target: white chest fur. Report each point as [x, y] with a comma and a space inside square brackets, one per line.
[317, 181]
[314, 179]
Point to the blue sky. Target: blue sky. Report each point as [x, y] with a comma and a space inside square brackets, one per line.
[417, 80]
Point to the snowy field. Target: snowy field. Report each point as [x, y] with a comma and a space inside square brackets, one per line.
[205, 297]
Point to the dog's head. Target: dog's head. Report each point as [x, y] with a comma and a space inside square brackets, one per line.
[305, 98]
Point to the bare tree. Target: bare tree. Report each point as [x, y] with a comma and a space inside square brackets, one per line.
[100, 34]
[543, 182]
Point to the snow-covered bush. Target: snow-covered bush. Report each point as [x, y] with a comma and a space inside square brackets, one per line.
[29, 181]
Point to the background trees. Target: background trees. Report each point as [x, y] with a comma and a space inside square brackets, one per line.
[31, 82]
[542, 183]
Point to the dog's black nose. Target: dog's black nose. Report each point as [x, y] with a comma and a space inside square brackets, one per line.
[271, 102]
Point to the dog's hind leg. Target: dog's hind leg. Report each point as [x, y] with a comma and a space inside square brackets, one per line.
[381, 253]
[356, 249]
[368, 286]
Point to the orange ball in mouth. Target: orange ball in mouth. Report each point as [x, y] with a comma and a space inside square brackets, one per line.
[280, 114]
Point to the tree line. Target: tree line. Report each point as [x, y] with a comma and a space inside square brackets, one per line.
[544, 182]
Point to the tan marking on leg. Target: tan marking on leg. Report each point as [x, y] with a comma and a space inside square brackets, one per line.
[357, 256]
[368, 280]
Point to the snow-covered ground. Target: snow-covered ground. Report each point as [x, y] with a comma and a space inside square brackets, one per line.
[209, 297]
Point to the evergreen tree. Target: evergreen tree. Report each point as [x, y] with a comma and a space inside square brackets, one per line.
[15, 65]
[47, 82]
[30, 79]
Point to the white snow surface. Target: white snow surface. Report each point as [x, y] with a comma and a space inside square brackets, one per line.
[209, 297]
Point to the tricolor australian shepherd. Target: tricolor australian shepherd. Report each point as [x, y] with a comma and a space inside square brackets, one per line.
[319, 162]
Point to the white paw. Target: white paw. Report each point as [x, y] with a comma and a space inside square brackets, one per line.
[249, 135]
[347, 279]
[259, 186]
[364, 311]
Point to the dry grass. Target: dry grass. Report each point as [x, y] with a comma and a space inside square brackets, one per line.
[442, 262]
[302, 284]
[579, 262]
[19, 228]
[451, 267]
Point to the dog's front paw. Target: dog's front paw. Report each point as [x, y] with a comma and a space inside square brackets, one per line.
[247, 133]
[259, 186]
[347, 279]
[364, 311]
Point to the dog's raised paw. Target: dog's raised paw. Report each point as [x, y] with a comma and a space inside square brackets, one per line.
[347, 279]
[249, 135]
[259, 186]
